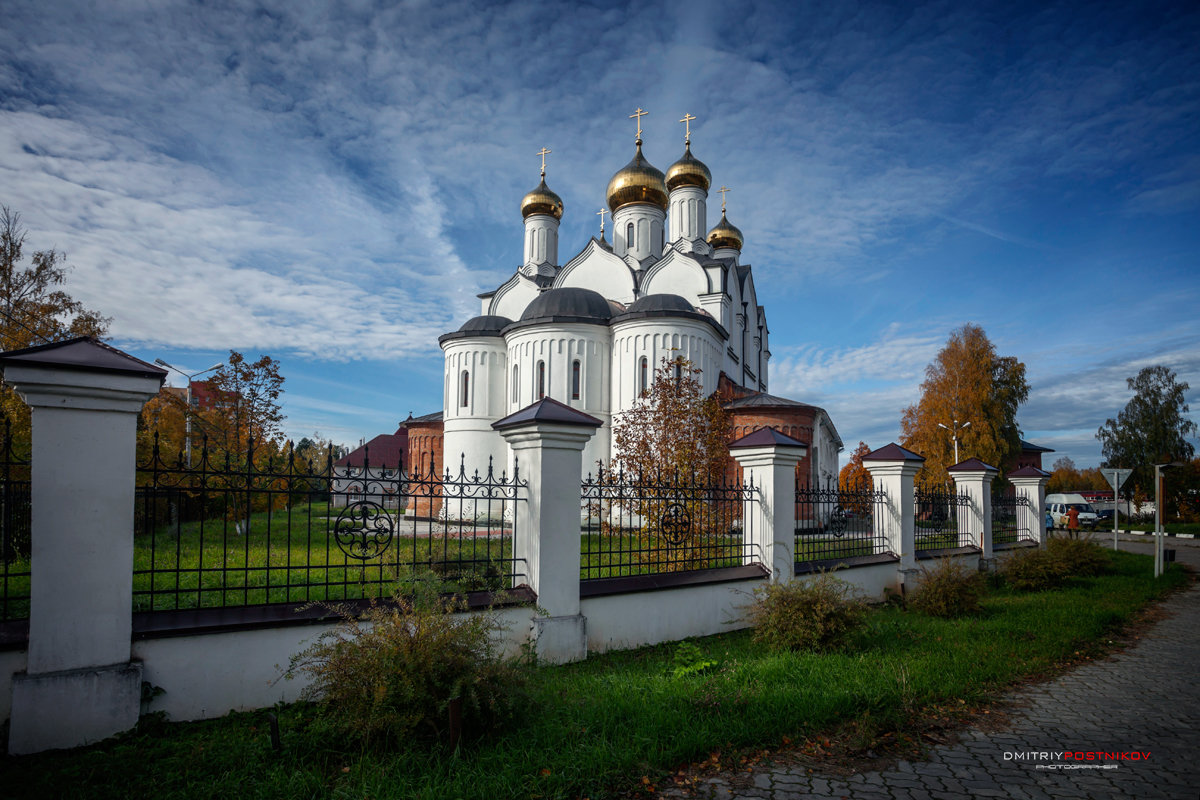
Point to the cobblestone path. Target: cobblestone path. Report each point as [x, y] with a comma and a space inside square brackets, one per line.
[1144, 699]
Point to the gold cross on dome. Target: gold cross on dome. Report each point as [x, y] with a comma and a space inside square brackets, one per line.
[687, 122]
[543, 153]
[601, 214]
[638, 115]
[723, 190]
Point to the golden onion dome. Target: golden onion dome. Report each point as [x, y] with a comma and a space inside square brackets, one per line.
[637, 182]
[542, 201]
[688, 171]
[725, 235]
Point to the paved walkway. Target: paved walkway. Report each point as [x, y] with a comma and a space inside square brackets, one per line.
[1145, 699]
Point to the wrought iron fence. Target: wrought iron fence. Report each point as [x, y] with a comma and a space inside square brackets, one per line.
[1010, 519]
[643, 525]
[267, 527]
[941, 516]
[15, 526]
[835, 524]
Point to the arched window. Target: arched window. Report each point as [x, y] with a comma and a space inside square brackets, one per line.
[516, 386]
[575, 380]
[465, 390]
[629, 236]
[541, 379]
[678, 371]
[643, 375]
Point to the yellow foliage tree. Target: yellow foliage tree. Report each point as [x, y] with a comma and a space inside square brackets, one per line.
[34, 309]
[854, 475]
[967, 382]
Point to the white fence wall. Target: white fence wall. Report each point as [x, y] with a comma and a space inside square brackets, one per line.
[210, 674]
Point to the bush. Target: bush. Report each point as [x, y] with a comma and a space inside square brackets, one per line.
[1079, 557]
[1034, 570]
[390, 674]
[805, 615]
[950, 589]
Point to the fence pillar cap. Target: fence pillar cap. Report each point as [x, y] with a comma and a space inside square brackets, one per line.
[1029, 472]
[81, 374]
[893, 452]
[974, 465]
[83, 353]
[768, 437]
[547, 410]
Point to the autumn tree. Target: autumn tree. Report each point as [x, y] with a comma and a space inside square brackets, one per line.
[34, 308]
[967, 382]
[671, 454]
[673, 429]
[246, 406]
[1152, 428]
[854, 475]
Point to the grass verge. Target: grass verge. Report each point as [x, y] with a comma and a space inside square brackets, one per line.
[598, 728]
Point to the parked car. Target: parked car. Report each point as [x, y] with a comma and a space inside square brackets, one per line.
[1059, 504]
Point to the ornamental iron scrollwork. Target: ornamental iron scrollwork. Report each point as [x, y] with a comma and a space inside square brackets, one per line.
[676, 524]
[838, 521]
[363, 530]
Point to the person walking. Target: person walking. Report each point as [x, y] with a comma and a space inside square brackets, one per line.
[1073, 521]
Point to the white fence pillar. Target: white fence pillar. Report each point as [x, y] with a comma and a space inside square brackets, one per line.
[893, 469]
[974, 479]
[547, 439]
[1030, 483]
[768, 459]
[80, 685]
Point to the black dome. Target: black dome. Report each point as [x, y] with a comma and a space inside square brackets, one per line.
[660, 302]
[484, 325]
[577, 304]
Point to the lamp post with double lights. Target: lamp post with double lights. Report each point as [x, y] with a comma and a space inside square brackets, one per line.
[187, 417]
[954, 434]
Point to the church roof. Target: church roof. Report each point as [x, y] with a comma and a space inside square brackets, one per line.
[436, 416]
[484, 325]
[660, 302]
[667, 305]
[1030, 447]
[569, 304]
[385, 450]
[764, 400]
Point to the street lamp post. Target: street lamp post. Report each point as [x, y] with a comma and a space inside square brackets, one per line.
[187, 417]
[954, 434]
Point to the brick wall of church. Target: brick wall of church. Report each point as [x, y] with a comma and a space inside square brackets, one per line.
[425, 440]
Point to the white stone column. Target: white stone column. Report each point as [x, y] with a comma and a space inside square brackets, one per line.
[974, 479]
[893, 469]
[547, 439]
[80, 685]
[768, 459]
[1030, 483]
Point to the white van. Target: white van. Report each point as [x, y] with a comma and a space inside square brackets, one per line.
[1059, 504]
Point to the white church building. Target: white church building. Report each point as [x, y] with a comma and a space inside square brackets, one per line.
[589, 332]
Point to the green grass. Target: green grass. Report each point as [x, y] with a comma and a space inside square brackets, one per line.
[605, 555]
[1170, 527]
[210, 564]
[596, 728]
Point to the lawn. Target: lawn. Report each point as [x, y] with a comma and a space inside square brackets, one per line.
[289, 556]
[597, 728]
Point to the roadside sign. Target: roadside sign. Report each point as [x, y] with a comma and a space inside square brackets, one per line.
[1116, 477]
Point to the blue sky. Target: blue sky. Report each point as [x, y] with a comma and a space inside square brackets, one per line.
[333, 183]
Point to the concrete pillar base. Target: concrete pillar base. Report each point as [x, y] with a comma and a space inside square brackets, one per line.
[559, 640]
[57, 710]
